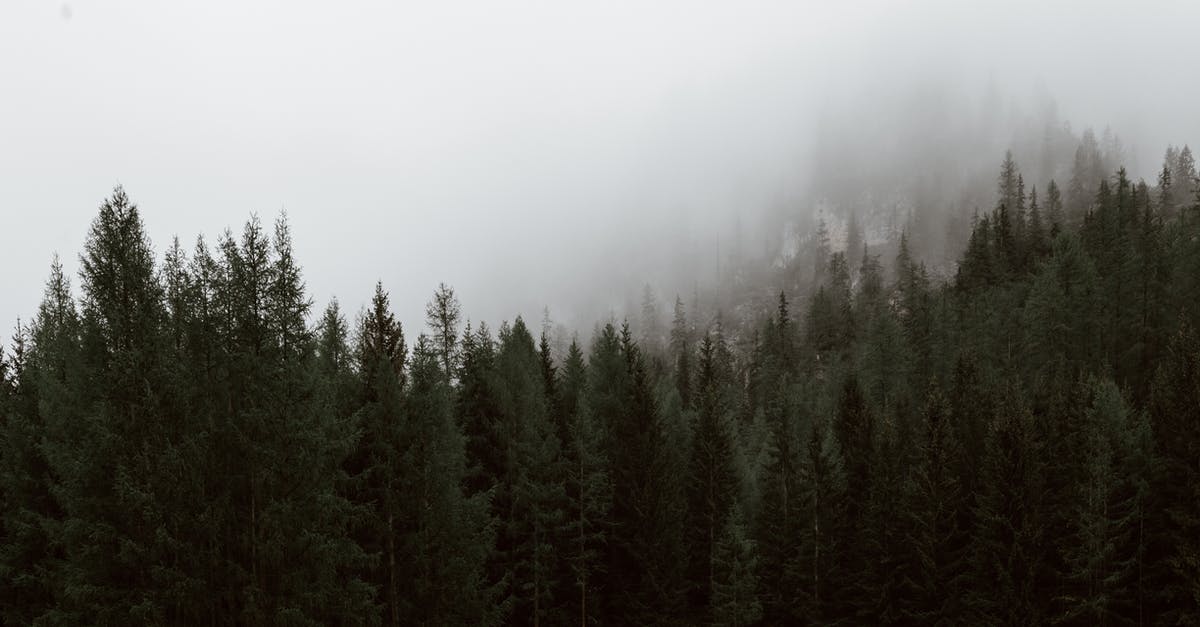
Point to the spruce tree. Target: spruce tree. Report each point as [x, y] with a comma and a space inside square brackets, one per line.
[588, 492]
[781, 522]
[713, 485]
[443, 315]
[377, 464]
[735, 601]
[1175, 418]
[117, 533]
[532, 487]
[1007, 542]
[824, 596]
[446, 535]
[40, 396]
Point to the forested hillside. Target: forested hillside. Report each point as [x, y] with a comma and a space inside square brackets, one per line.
[186, 441]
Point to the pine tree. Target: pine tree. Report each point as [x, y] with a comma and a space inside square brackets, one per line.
[650, 338]
[781, 522]
[820, 331]
[588, 490]
[821, 252]
[279, 446]
[841, 300]
[824, 543]
[1007, 542]
[735, 600]
[1183, 177]
[1009, 183]
[377, 464]
[646, 547]
[1054, 209]
[978, 267]
[681, 351]
[39, 400]
[443, 315]
[935, 506]
[713, 485]
[1104, 553]
[118, 508]
[532, 485]
[477, 409]
[1175, 418]
[1037, 242]
[1059, 314]
[446, 536]
[855, 432]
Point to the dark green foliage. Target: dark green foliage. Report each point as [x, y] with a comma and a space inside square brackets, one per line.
[188, 443]
[713, 484]
[1175, 419]
[781, 521]
[1008, 560]
[1104, 553]
[532, 486]
[444, 536]
[588, 490]
[824, 596]
[734, 598]
[936, 508]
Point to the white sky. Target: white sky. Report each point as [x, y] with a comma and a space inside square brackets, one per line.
[509, 149]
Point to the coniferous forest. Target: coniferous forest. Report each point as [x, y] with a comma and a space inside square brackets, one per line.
[188, 440]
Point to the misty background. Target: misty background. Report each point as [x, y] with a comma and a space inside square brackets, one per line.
[543, 155]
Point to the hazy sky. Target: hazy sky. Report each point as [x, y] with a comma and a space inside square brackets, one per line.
[508, 149]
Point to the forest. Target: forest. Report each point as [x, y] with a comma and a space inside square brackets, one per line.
[187, 440]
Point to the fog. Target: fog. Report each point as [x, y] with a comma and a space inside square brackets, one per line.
[549, 154]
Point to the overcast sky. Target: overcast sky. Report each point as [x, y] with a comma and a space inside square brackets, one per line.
[508, 149]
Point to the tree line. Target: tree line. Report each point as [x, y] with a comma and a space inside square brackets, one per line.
[186, 442]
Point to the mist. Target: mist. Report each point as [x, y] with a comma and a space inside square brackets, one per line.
[536, 156]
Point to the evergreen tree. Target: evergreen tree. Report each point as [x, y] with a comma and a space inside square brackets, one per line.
[781, 522]
[1037, 243]
[478, 411]
[823, 597]
[935, 505]
[1054, 209]
[1183, 178]
[378, 464]
[1007, 556]
[1059, 314]
[443, 315]
[841, 300]
[446, 536]
[735, 600]
[713, 485]
[588, 490]
[39, 400]
[650, 338]
[681, 351]
[1104, 553]
[821, 252]
[532, 487]
[1175, 418]
[646, 548]
[117, 529]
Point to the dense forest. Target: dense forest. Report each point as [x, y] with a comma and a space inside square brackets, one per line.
[186, 441]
